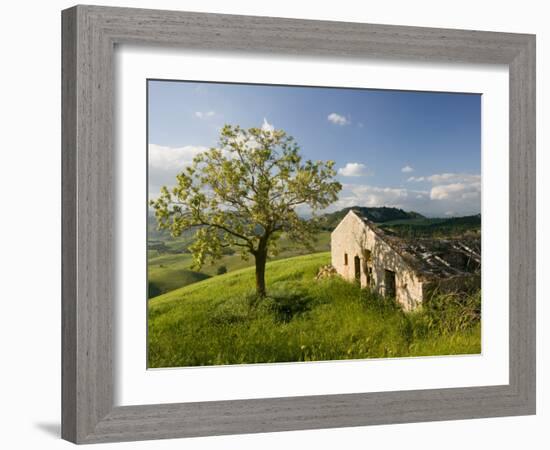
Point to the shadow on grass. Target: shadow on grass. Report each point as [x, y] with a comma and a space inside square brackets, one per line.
[287, 304]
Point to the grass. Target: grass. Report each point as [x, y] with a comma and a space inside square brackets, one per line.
[170, 270]
[220, 321]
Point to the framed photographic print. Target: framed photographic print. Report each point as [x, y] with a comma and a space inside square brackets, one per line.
[268, 222]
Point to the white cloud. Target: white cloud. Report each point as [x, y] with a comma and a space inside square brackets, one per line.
[441, 178]
[455, 189]
[172, 158]
[444, 191]
[204, 115]
[338, 119]
[377, 196]
[448, 193]
[166, 162]
[353, 170]
[367, 195]
[407, 169]
[266, 126]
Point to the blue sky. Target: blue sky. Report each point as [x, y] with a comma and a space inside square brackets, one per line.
[414, 150]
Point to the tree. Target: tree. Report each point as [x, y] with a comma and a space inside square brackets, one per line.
[244, 194]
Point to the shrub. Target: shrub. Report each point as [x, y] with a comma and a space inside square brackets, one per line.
[283, 302]
[221, 270]
[450, 312]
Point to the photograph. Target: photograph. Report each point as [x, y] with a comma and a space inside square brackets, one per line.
[261, 226]
[306, 223]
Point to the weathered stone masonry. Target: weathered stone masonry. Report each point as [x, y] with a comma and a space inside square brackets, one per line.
[406, 270]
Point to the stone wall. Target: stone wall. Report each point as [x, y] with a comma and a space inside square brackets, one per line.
[352, 237]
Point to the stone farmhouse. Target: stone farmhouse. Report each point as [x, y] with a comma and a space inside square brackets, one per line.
[408, 270]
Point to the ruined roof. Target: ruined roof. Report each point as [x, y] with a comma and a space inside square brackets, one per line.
[434, 257]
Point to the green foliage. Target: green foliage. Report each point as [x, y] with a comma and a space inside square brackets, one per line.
[435, 227]
[378, 214]
[287, 301]
[221, 321]
[244, 193]
[449, 313]
[221, 270]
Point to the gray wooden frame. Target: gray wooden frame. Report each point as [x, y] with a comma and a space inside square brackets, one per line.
[89, 34]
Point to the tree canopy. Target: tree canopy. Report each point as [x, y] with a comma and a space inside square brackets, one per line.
[244, 194]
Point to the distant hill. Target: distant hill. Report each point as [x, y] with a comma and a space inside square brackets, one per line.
[435, 227]
[378, 214]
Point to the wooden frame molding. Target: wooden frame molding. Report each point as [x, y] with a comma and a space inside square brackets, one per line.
[89, 35]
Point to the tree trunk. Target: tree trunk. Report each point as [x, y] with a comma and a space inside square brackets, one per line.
[261, 259]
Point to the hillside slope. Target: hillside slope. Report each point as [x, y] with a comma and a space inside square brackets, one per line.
[220, 321]
[169, 270]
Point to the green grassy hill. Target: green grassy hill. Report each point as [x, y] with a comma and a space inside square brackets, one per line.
[220, 321]
[169, 264]
[167, 272]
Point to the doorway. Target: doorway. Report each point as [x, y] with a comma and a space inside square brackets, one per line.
[368, 267]
[357, 266]
[389, 283]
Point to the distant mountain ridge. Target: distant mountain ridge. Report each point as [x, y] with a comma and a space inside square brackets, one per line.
[377, 214]
[394, 220]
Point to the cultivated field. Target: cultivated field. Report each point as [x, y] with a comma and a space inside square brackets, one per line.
[169, 267]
